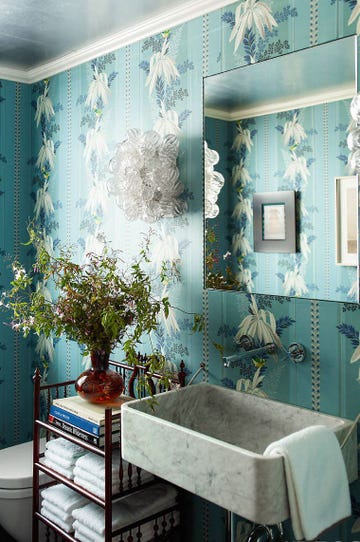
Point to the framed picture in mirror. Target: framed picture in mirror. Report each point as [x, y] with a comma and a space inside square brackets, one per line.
[346, 220]
[274, 221]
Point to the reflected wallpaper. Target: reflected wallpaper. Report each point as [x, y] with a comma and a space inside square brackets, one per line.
[302, 150]
[57, 138]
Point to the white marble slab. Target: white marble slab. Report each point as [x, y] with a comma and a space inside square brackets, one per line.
[209, 440]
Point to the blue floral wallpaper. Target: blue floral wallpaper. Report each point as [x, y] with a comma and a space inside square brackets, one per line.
[56, 142]
[301, 150]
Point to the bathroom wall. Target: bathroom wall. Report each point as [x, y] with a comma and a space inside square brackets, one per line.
[16, 205]
[328, 330]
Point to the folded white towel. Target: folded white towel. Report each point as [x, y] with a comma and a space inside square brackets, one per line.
[84, 533]
[59, 460]
[96, 464]
[64, 516]
[317, 483]
[100, 481]
[58, 468]
[95, 489]
[63, 497]
[93, 479]
[65, 448]
[66, 526]
[130, 508]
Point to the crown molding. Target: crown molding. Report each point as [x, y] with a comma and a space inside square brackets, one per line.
[327, 96]
[152, 26]
[14, 74]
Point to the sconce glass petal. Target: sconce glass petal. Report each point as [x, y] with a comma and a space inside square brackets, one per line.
[355, 108]
[353, 139]
[214, 182]
[354, 161]
[145, 178]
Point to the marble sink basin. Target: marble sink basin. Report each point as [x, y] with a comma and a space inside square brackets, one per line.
[210, 441]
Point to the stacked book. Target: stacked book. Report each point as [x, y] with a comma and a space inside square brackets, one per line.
[85, 420]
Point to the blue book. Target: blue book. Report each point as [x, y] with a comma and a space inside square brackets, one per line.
[77, 421]
[81, 434]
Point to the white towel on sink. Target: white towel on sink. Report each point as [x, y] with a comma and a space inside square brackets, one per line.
[316, 478]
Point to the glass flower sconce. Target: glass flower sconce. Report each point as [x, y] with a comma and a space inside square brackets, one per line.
[214, 182]
[353, 139]
[145, 178]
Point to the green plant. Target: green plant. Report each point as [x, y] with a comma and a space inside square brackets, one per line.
[215, 278]
[99, 303]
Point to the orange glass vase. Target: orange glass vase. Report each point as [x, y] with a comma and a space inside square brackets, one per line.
[99, 383]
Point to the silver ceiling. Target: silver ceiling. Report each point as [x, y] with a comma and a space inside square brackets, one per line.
[35, 32]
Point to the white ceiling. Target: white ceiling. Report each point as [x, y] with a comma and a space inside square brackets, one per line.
[41, 37]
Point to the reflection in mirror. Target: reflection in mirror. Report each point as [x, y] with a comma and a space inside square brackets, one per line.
[282, 125]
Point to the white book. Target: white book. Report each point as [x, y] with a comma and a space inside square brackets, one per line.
[90, 411]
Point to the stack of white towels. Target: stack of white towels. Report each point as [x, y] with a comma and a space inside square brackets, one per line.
[61, 455]
[88, 469]
[89, 520]
[58, 503]
[89, 473]
[75, 514]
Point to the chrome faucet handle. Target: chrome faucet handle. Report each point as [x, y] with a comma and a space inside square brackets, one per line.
[296, 351]
[246, 342]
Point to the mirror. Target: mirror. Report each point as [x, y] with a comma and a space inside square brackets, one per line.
[279, 126]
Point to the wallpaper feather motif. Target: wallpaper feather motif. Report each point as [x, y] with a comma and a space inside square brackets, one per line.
[55, 168]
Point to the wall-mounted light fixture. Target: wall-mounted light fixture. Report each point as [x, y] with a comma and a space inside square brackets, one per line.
[145, 178]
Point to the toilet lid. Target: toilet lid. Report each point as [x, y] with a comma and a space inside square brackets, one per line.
[16, 466]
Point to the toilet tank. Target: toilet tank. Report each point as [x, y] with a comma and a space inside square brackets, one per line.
[16, 483]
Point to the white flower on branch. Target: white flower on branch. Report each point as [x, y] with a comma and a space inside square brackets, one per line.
[243, 207]
[95, 143]
[259, 324]
[46, 154]
[249, 14]
[251, 386]
[161, 65]
[44, 106]
[304, 246]
[45, 347]
[244, 277]
[98, 89]
[240, 243]
[243, 137]
[168, 122]
[293, 131]
[240, 173]
[43, 201]
[294, 283]
[165, 250]
[297, 166]
[97, 198]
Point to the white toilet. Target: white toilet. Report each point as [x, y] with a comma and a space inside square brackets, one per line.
[16, 483]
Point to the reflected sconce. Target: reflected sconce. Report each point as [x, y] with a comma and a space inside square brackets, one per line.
[214, 182]
[145, 178]
[353, 139]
